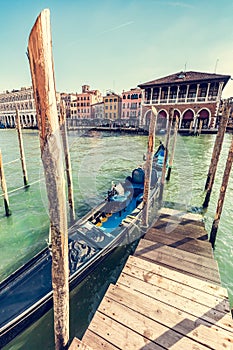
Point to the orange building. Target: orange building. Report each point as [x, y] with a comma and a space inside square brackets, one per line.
[80, 108]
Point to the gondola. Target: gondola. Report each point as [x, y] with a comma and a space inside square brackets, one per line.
[26, 294]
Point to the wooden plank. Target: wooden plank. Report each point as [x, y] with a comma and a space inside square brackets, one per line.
[186, 291]
[177, 297]
[181, 242]
[181, 214]
[165, 314]
[185, 256]
[167, 338]
[188, 229]
[97, 342]
[182, 262]
[79, 345]
[182, 221]
[121, 337]
[150, 267]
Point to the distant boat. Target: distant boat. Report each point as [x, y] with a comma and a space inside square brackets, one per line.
[26, 294]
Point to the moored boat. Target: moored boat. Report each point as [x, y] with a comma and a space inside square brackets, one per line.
[27, 293]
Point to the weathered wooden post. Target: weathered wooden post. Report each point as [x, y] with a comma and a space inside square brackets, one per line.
[216, 153]
[161, 186]
[63, 129]
[173, 149]
[21, 149]
[42, 72]
[4, 187]
[222, 193]
[200, 127]
[148, 166]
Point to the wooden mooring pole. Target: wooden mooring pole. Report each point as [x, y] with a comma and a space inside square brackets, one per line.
[222, 193]
[148, 166]
[4, 187]
[173, 149]
[63, 129]
[161, 187]
[42, 72]
[216, 153]
[21, 149]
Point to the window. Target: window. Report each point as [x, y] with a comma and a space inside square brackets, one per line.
[106, 100]
[115, 99]
[124, 97]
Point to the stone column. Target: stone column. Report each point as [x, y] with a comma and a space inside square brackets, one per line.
[160, 89]
[207, 92]
[198, 85]
[187, 91]
[177, 94]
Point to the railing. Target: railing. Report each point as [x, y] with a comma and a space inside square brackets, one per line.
[181, 100]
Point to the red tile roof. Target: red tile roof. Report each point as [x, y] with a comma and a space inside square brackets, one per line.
[186, 77]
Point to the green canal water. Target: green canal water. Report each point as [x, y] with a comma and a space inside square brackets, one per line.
[97, 159]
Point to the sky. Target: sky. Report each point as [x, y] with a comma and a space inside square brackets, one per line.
[116, 45]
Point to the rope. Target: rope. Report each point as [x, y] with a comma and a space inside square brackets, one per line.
[19, 188]
[13, 161]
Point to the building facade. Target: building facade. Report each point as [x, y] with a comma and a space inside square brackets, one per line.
[97, 111]
[23, 100]
[131, 106]
[112, 106]
[194, 96]
[80, 108]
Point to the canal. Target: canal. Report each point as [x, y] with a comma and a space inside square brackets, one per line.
[97, 159]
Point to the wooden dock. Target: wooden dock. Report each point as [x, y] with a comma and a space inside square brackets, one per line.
[168, 296]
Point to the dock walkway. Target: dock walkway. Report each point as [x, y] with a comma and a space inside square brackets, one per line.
[168, 296]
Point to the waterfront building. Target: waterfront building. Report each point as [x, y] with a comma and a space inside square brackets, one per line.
[80, 108]
[195, 97]
[131, 106]
[23, 100]
[112, 106]
[97, 111]
[68, 98]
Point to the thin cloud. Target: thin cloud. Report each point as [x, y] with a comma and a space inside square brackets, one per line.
[176, 4]
[117, 27]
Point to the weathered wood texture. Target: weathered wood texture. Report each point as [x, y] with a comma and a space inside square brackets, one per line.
[148, 166]
[222, 193]
[42, 72]
[157, 304]
[164, 168]
[171, 158]
[216, 153]
[4, 187]
[21, 149]
[63, 129]
[79, 345]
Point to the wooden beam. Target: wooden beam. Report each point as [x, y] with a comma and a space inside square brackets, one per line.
[148, 166]
[222, 193]
[173, 149]
[216, 153]
[21, 149]
[4, 187]
[161, 187]
[42, 72]
[63, 129]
